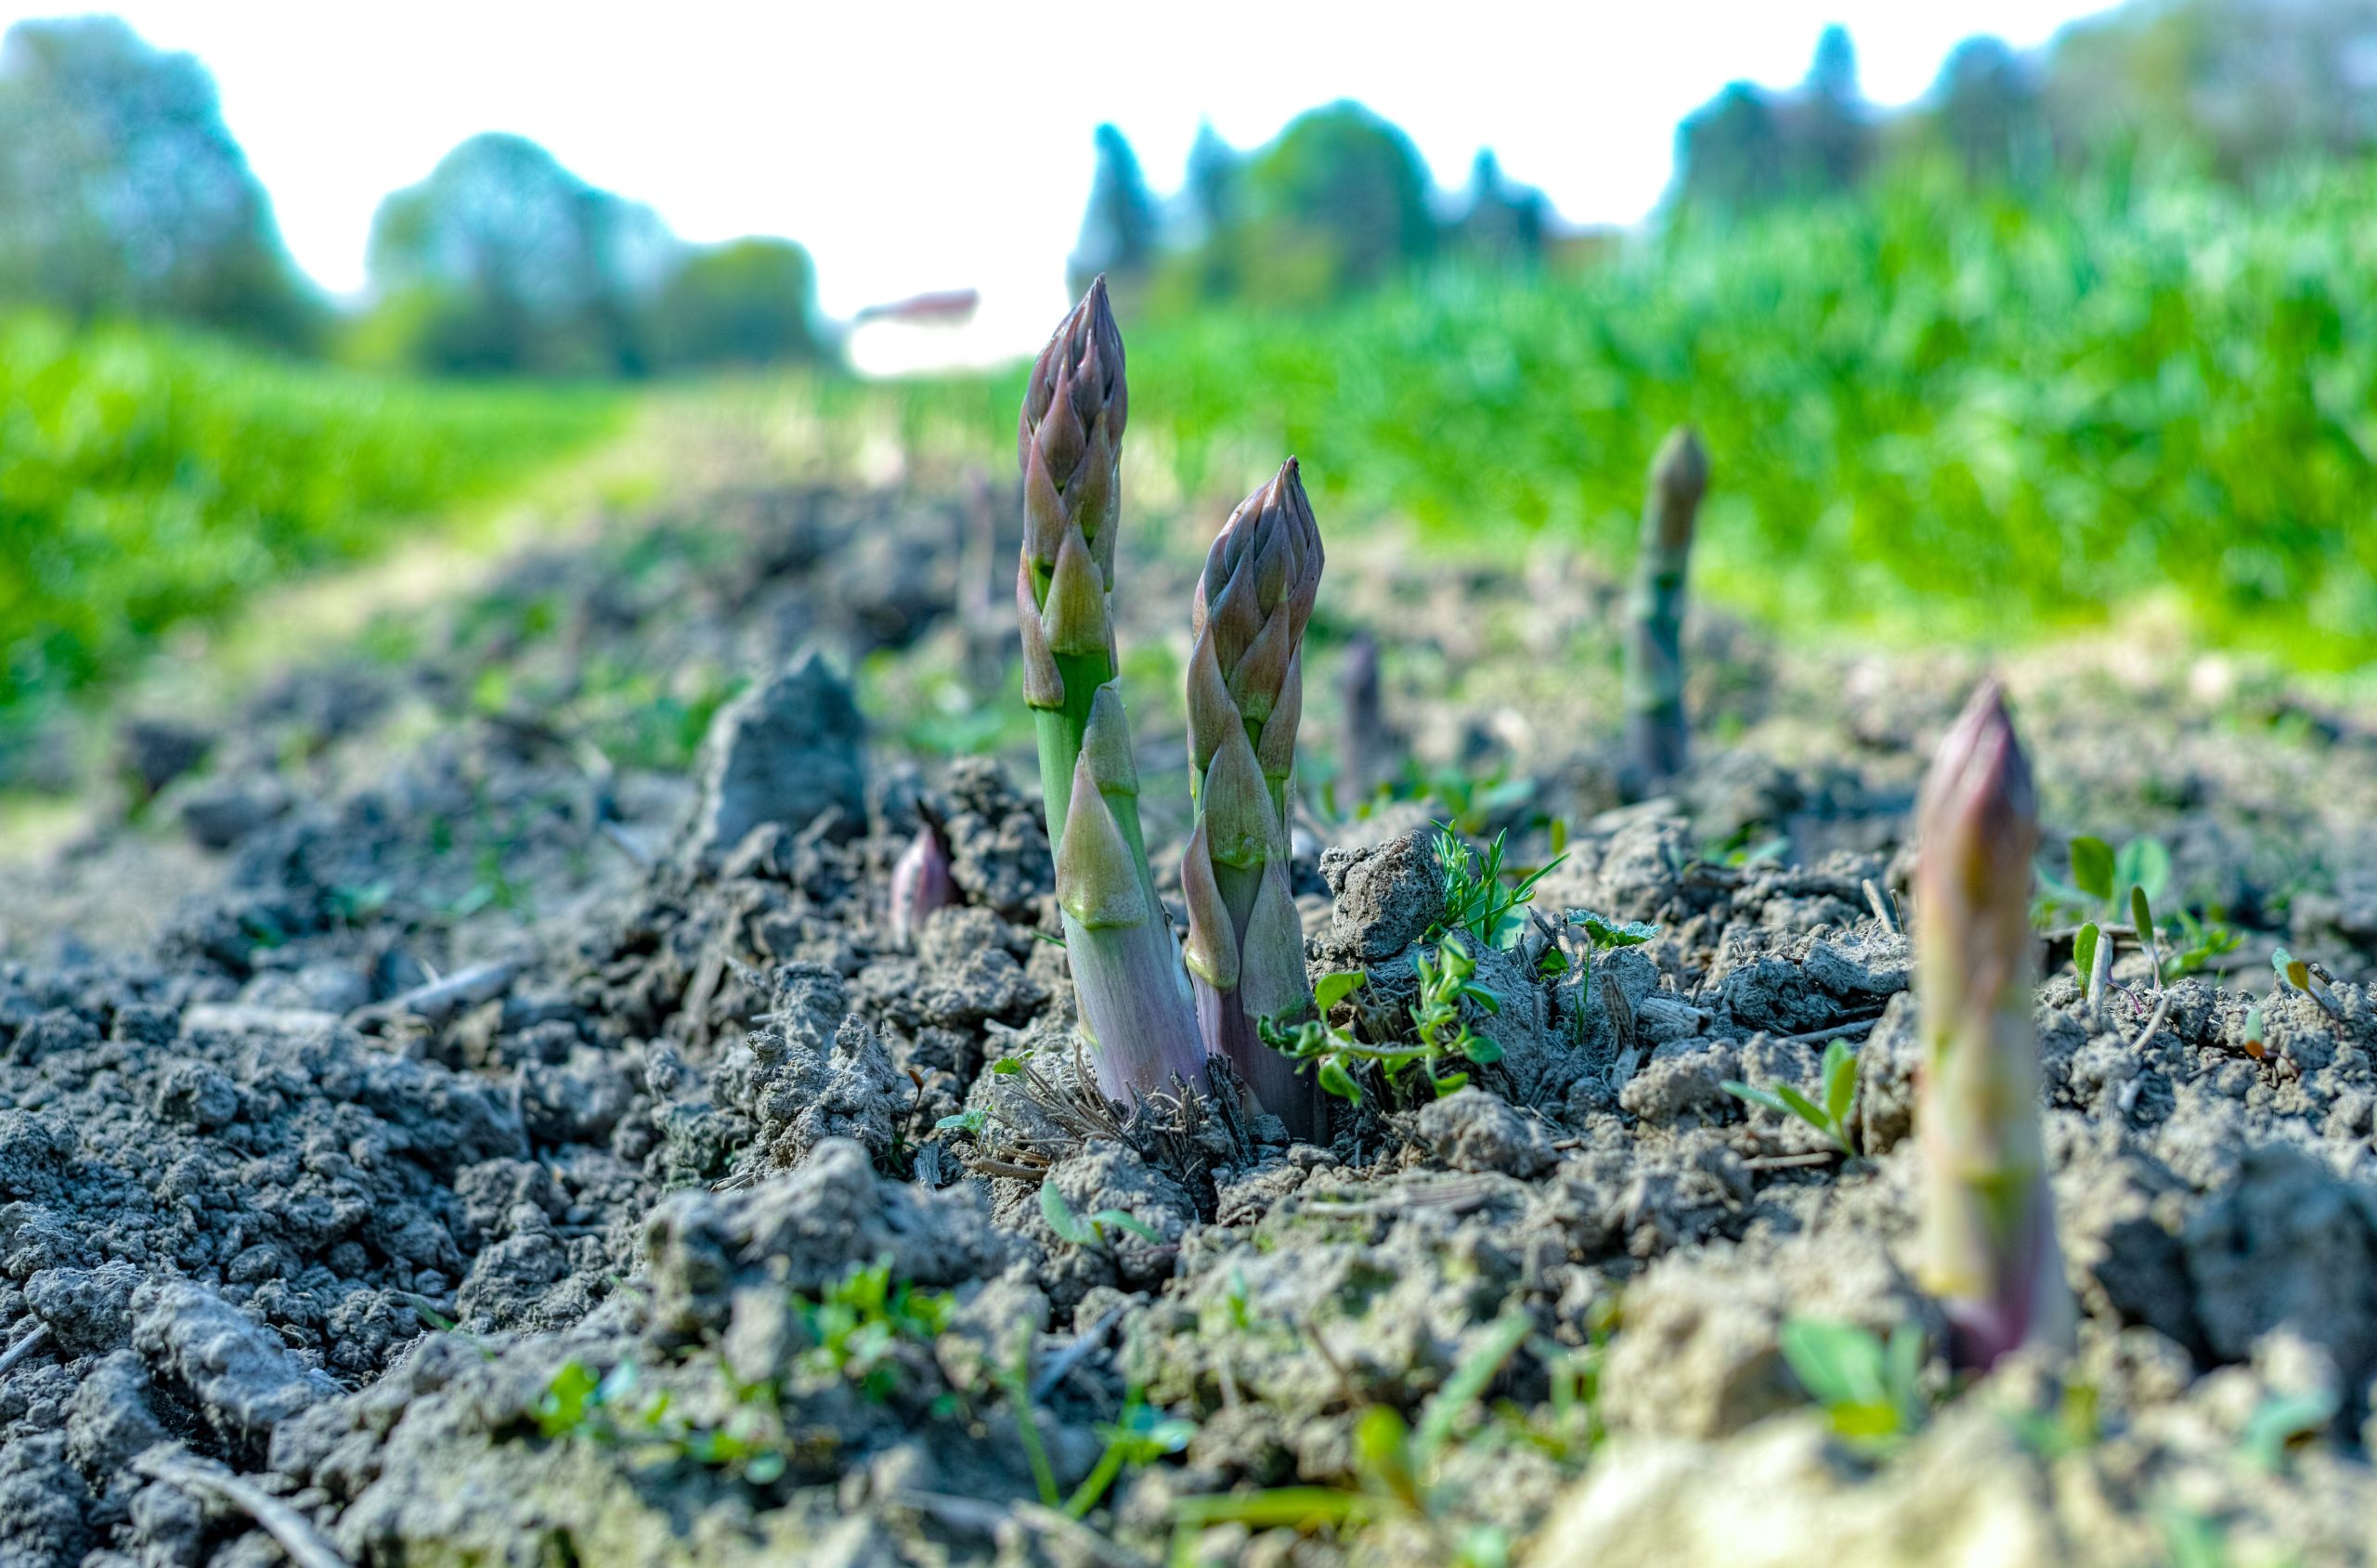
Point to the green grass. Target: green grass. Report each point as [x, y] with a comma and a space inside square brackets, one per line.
[148, 478]
[1929, 411]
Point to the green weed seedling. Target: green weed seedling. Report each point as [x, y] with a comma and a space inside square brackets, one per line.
[2281, 1423]
[2073, 1426]
[1397, 1470]
[1477, 898]
[1868, 1388]
[2105, 886]
[2294, 974]
[1838, 1073]
[1088, 1230]
[1445, 982]
[1138, 1438]
[855, 1327]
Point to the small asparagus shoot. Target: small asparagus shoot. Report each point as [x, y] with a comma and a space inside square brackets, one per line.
[1245, 693]
[1988, 1252]
[1657, 735]
[920, 884]
[1133, 996]
[1366, 745]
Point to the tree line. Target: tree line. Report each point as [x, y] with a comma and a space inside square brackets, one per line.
[122, 193]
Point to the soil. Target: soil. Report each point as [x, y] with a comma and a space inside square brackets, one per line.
[449, 1116]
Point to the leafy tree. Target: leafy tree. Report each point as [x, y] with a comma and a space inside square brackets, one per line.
[1504, 222]
[1986, 108]
[1214, 196]
[1747, 147]
[1729, 152]
[1825, 133]
[1118, 233]
[2242, 84]
[749, 302]
[121, 190]
[1338, 201]
[503, 261]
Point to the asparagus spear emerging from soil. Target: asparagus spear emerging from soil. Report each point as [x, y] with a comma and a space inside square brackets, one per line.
[1366, 745]
[1657, 733]
[920, 884]
[1245, 695]
[1126, 969]
[1989, 1253]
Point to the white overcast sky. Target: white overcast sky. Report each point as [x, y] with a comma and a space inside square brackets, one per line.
[913, 145]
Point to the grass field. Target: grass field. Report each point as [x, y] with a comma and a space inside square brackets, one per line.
[1931, 412]
[148, 478]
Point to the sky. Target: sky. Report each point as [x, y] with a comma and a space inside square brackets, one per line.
[914, 146]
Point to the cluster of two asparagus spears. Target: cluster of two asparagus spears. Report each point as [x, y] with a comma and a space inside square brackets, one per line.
[1150, 1020]
[1987, 1245]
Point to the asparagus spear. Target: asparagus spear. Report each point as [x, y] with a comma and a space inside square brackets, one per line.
[1363, 753]
[1245, 946]
[920, 882]
[1133, 996]
[1988, 1252]
[1657, 733]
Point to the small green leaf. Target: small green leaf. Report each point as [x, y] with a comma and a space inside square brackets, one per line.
[1839, 1082]
[1605, 932]
[2141, 913]
[2092, 866]
[1382, 1453]
[1742, 1090]
[1803, 1108]
[2280, 1420]
[964, 1121]
[2144, 862]
[1335, 986]
[1338, 1082]
[1836, 1364]
[1554, 962]
[1451, 1083]
[2084, 953]
[1122, 1221]
[1007, 1067]
[1061, 1217]
[1482, 1050]
[2290, 969]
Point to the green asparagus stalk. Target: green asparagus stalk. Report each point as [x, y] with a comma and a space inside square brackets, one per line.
[1133, 996]
[1245, 946]
[1658, 736]
[1989, 1253]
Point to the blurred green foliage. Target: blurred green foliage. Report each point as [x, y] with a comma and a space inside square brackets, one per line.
[121, 191]
[748, 302]
[1955, 413]
[504, 262]
[146, 477]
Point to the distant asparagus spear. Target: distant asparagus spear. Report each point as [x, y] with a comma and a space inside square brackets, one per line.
[1133, 996]
[1657, 735]
[920, 884]
[1988, 1252]
[1366, 745]
[1245, 695]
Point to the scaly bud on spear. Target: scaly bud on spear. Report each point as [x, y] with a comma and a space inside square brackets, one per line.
[920, 884]
[1989, 1253]
[1245, 943]
[1657, 735]
[1126, 969]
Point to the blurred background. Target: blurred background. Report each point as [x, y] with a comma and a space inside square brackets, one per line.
[2002, 318]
